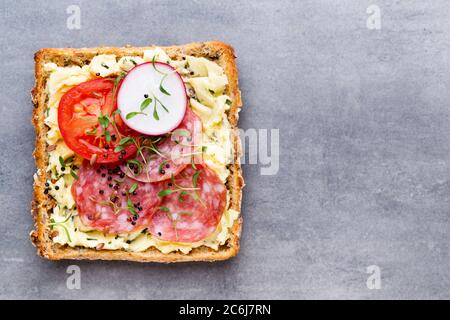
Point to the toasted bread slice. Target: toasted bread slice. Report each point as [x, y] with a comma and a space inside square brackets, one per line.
[216, 51]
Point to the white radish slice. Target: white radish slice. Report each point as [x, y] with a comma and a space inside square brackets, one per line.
[152, 98]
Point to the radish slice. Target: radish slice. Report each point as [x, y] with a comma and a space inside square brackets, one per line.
[152, 98]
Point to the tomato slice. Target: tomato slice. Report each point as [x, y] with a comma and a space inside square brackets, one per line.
[89, 125]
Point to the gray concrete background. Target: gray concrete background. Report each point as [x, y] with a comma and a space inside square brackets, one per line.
[364, 117]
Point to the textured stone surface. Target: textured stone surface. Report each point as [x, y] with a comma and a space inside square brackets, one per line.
[364, 120]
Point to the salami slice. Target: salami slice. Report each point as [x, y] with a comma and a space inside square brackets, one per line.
[170, 155]
[109, 201]
[192, 206]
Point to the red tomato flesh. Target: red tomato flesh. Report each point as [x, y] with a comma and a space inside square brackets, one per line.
[80, 114]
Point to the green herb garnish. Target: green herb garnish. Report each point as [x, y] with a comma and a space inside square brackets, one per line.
[161, 166]
[154, 66]
[133, 114]
[162, 105]
[104, 121]
[193, 163]
[133, 188]
[145, 103]
[92, 132]
[126, 141]
[165, 192]
[60, 224]
[180, 196]
[181, 132]
[155, 113]
[161, 88]
[136, 163]
[131, 208]
[107, 136]
[117, 81]
[195, 178]
[73, 174]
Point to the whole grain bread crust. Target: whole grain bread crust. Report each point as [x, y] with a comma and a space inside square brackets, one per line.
[217, 51]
